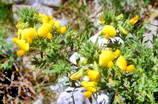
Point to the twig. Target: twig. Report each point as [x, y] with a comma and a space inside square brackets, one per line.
[73, 96]
[6, 77]
[6, 85]
[16, 67]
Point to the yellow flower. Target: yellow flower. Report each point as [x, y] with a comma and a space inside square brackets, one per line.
[93, 75]
[123, 31]
[89, 86]
[50, 17]
[44, 18]
[49, 36]
[122, 63]
[44, 30]
[20, 52]
[77, 75]
[28, 34]
[108, 31]
[88, 94]
[86, 84]
[21, 44]
[92, 89]
[130, 68]
[14, 39]
[117, 53]
[63, 30]
[57, 25]
[110, 64]
[105, 57]
[133, 20]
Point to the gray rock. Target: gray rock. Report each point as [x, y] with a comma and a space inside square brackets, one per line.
[74, 57]
[43, 9]
[152, 30]
[97, 11]
[60, 85]
[76, 96]
[63, 21]
[117, 39]
[104, 97]
[101, 41]
[72, 96]
[69, 95]
[48, 3]
[52, 3]
[31, 2]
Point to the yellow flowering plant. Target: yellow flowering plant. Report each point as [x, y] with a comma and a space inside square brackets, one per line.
[113, 65]
[29, 31]
[120, 66]
[42, 35]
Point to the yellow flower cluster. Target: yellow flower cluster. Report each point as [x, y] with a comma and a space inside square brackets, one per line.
[27, 35]
[44, 31]
[91, 85]
[46, 19]
[122, 64]
[90, 88]
[107, 56]
[108, 31]
[93, 75]
[48, 23]
[133, 20]
[23, 46]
